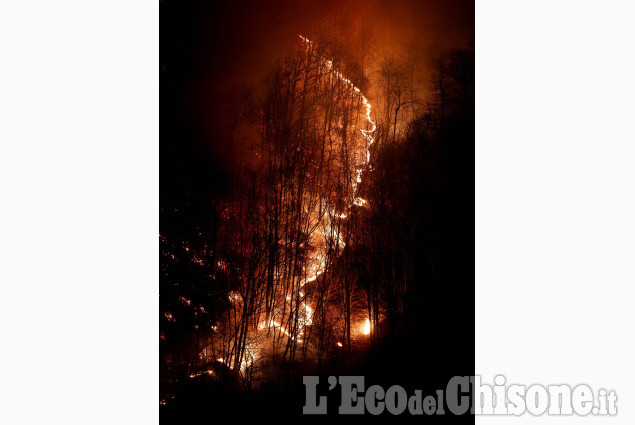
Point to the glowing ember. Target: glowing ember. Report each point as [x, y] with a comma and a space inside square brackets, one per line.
[359, 202]
[208, 372]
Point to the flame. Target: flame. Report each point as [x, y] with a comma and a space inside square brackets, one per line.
[360, 202]
[366, 133]
[366, 328]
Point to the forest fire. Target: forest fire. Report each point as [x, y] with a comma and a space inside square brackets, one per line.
[296, 255]
[294, 292]
[299, 228]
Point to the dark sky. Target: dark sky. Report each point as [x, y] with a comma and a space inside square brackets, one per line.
[214, 54]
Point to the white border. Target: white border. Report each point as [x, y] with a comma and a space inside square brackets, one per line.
[79, 212]
[555, 197]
